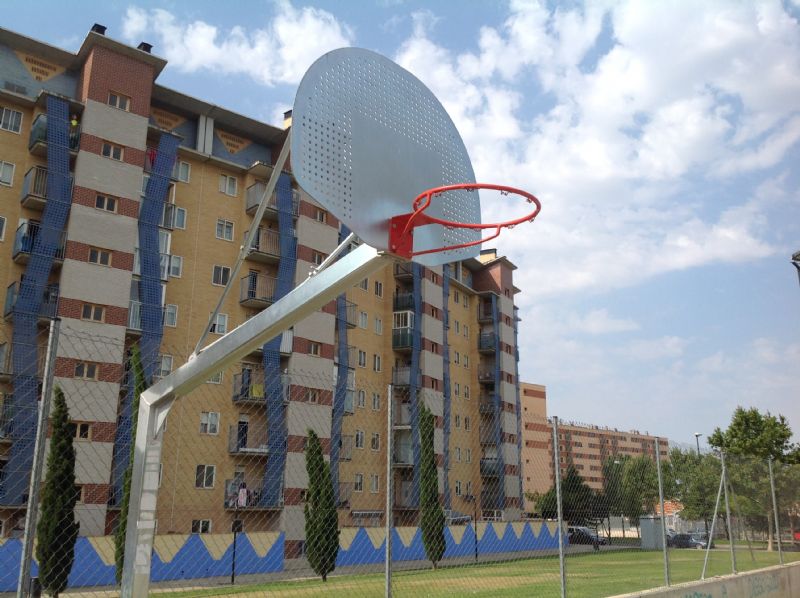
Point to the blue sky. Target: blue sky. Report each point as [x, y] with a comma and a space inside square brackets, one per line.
[662, 139]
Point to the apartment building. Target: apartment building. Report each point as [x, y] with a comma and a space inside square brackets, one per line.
[585, 446]
[124, 205]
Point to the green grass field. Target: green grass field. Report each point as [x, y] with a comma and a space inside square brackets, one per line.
[588, 575]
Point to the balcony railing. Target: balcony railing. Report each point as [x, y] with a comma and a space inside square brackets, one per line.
[245, 441]
[39, 134]
[403, 301]
[349, 402]
[135, 315]
[402, 414]
[403, 455]
[485, 311]
[34, 188]
[402, 338]
[350, 314]
[6, 419]
[25, 240]
[248, 386]
[168, 214]
[401, 376]
[265, 246]
[244, 493]
[486, 433]
[490, 467]
[486, 404]
[402, 495]
[345, 493]
[352, 352]
[486, 375]
[48, 307]
[257, 290]
[256, 190]
[164, 263]
[346, 450]
[403, 271]
[150, 156]
[487, 341]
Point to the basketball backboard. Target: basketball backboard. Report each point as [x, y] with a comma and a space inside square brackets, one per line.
[367, 137]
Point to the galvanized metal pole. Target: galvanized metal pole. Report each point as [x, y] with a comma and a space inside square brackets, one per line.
[23, 584]
[713, 523]
[775, 512]
[663, 515]
[562, 566]
[728, 511]
[389, 488]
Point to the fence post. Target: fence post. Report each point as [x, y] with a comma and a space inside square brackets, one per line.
[663, 515]
[389, 493]
[728, 511]
[775, 511]
[38, 461]
[557, 475]
[713, 523]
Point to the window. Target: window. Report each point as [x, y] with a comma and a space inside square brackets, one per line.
[469, 456]
[402, 319]
[466, 391]
[176, 266]
[362, 398]
[469, 488]
[375, 483]
[145, 181]
[376, 363]
[204, 476]
[456, 327]
[181, 171]
[201, 526]
[99, 256]
[378, 326]
[228, 185]
[180, 218]
[456, 297]
[164, 366]
[435, 312]
[378, 288]
[467, 423]
[363, 319]
[79, 493]
[376, 401]
[466, 301]
[171, 315]
[105, 203]
[6, 173]
[457, 420]
[112, 151]
[215, 379]
[362, 359]
[457, 358]
[312, 396]
[209, 422]
[360, 439]
[219, 325]
[458, 487]
[224, 230]
[457, 389]
[95, 313]
[358, 483]
[11, 120]
[314, 349]
[81, 430]
[117, 100]
[458, 454]
[466, 331]
[220, 275]
[318, 257]
[375, 441]
[86, 370]
[320, 215]
[466, 361]
[160, 473]
[2, 228]
[364, 284]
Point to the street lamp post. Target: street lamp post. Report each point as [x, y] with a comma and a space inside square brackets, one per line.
[697, 436]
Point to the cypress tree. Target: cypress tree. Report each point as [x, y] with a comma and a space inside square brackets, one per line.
[139, 386]
[322, 520]
[432, 513]
[57, 529]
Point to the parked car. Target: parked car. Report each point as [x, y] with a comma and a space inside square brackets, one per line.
[584, 535]
[685, 541]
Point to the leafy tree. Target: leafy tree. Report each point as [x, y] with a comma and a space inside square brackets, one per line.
[612, 488]
[578, 500]
[639, 488]
[57, 529]
[432, 513]
[759, 437]
[694, 482]
[322, 520]
[139, 386]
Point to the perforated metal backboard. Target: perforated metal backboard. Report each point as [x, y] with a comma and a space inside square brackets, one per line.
[368, 137]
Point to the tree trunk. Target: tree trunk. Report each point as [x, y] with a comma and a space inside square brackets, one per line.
[769, 531]
[324, 577]
[791, 527]
[622, 519]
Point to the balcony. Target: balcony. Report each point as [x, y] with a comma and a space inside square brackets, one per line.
[37, 142]
[286, 348]
[349, 401]
[135, 316]
[487, 342]
[168, 215]
[34, 188]
[403, 301]
[487, 433]
[402, 339]
[352, 352]
[401, 416]
[490, 467]
[350, 315]
[6, 420]
[249, 389]
[257, 290]
[25, 242]
[346, 448]
[243, 441]
[401, 376]
[244, 494]
[265, 247]
[150, 161]
[6, 370]
[403, 454]
[345, 493]
[402, 495]
[486, 375]
[164, 262]
[253, 197]
[485, 312]
[48, 308]
[403, 271]
[486, 404]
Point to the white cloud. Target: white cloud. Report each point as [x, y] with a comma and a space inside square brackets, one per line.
[278, 53]
[599, 321]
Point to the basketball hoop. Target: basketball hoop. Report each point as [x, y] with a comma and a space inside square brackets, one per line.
[401, 231]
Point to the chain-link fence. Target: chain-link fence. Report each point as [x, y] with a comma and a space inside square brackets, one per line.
[290, 482]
